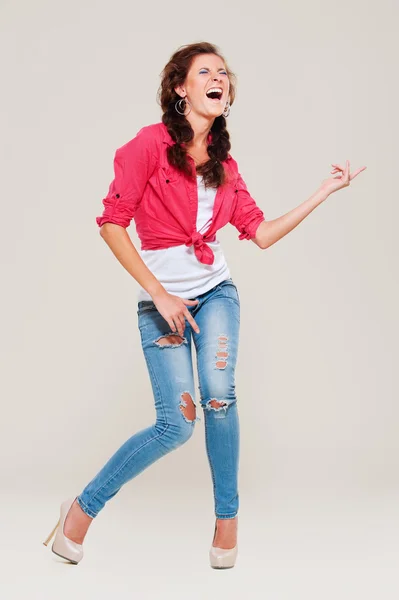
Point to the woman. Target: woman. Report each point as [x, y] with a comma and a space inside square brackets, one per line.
[179, 182]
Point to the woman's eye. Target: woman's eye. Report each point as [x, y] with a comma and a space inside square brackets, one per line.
[204, 71]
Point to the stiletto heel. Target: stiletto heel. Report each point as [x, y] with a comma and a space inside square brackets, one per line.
[63, 546]
[222, 558]
[51, 534]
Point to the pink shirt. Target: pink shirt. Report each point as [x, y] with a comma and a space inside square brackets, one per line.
[164, 201]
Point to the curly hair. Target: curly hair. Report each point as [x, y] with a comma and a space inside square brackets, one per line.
[173, 75]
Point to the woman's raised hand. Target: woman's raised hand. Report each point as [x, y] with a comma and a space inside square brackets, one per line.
[332, 184]
[174, 310]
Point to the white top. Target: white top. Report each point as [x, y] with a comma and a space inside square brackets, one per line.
[177, 268]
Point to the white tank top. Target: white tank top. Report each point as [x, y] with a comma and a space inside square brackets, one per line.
[177, 267]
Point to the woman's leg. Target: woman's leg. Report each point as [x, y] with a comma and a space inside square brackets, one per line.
[218, 318]
[169, 362]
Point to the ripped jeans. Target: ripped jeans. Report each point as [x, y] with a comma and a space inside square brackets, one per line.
[169, 361]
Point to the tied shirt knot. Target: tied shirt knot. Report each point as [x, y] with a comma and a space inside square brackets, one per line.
[202, 251]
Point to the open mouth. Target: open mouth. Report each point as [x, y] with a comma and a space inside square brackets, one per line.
[215, 94]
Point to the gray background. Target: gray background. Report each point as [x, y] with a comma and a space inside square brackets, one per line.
[317, 396]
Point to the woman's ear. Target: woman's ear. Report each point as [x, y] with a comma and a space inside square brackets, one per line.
[180, 91]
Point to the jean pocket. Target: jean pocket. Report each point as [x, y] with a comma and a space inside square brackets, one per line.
[227, 282]
[229, 289]
[144, 306]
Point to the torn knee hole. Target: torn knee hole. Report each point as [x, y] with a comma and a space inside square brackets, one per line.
[187, 406]
[216, 404]
[170, 339]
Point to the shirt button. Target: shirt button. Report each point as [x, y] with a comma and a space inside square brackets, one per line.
[167, 181]
[117, 196]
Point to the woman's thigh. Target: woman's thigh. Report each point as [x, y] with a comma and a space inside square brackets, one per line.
[217, 345]
[169, 362]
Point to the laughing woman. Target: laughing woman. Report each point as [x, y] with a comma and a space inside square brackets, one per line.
[179, 182]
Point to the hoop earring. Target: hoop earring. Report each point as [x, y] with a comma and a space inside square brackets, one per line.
[226, 111]
[180, 108]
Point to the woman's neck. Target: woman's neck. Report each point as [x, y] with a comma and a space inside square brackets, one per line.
[201, 128]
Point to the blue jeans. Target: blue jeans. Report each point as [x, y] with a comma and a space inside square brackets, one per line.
[169, 361]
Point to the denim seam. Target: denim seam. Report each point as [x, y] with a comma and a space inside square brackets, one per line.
[218, 516]
[85, 508]
[209, 458]
[155, 379]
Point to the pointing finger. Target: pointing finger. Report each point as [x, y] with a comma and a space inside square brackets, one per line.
[356, 173]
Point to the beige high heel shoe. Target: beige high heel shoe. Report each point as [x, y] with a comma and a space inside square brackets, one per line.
[63, 546]
[222, 558]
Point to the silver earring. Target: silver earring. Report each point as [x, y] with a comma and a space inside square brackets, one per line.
[226, 111]
[180, 108]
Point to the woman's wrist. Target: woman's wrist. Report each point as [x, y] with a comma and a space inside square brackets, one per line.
[156, 290]
[322, 193]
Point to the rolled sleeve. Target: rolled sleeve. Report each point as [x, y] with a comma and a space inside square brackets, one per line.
[133, 165]
[247, 215]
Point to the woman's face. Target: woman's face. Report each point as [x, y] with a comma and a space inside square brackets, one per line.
[207, 72]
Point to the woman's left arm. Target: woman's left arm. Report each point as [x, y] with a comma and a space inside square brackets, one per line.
[269, 232]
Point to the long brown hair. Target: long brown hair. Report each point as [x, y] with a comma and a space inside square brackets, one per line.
[174, 74]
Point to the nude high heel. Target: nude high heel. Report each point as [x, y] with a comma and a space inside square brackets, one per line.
[222, 558]
[63, 546]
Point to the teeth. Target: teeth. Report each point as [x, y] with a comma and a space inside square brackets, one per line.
[215, 89]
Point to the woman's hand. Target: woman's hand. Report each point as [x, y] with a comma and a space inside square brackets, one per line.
[174, 310]
[332, 184]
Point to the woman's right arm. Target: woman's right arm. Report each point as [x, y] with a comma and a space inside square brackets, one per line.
[118, 240]
[133, 164]
[172, 308]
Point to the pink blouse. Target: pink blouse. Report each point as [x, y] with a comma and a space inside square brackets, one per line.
[164, 201]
